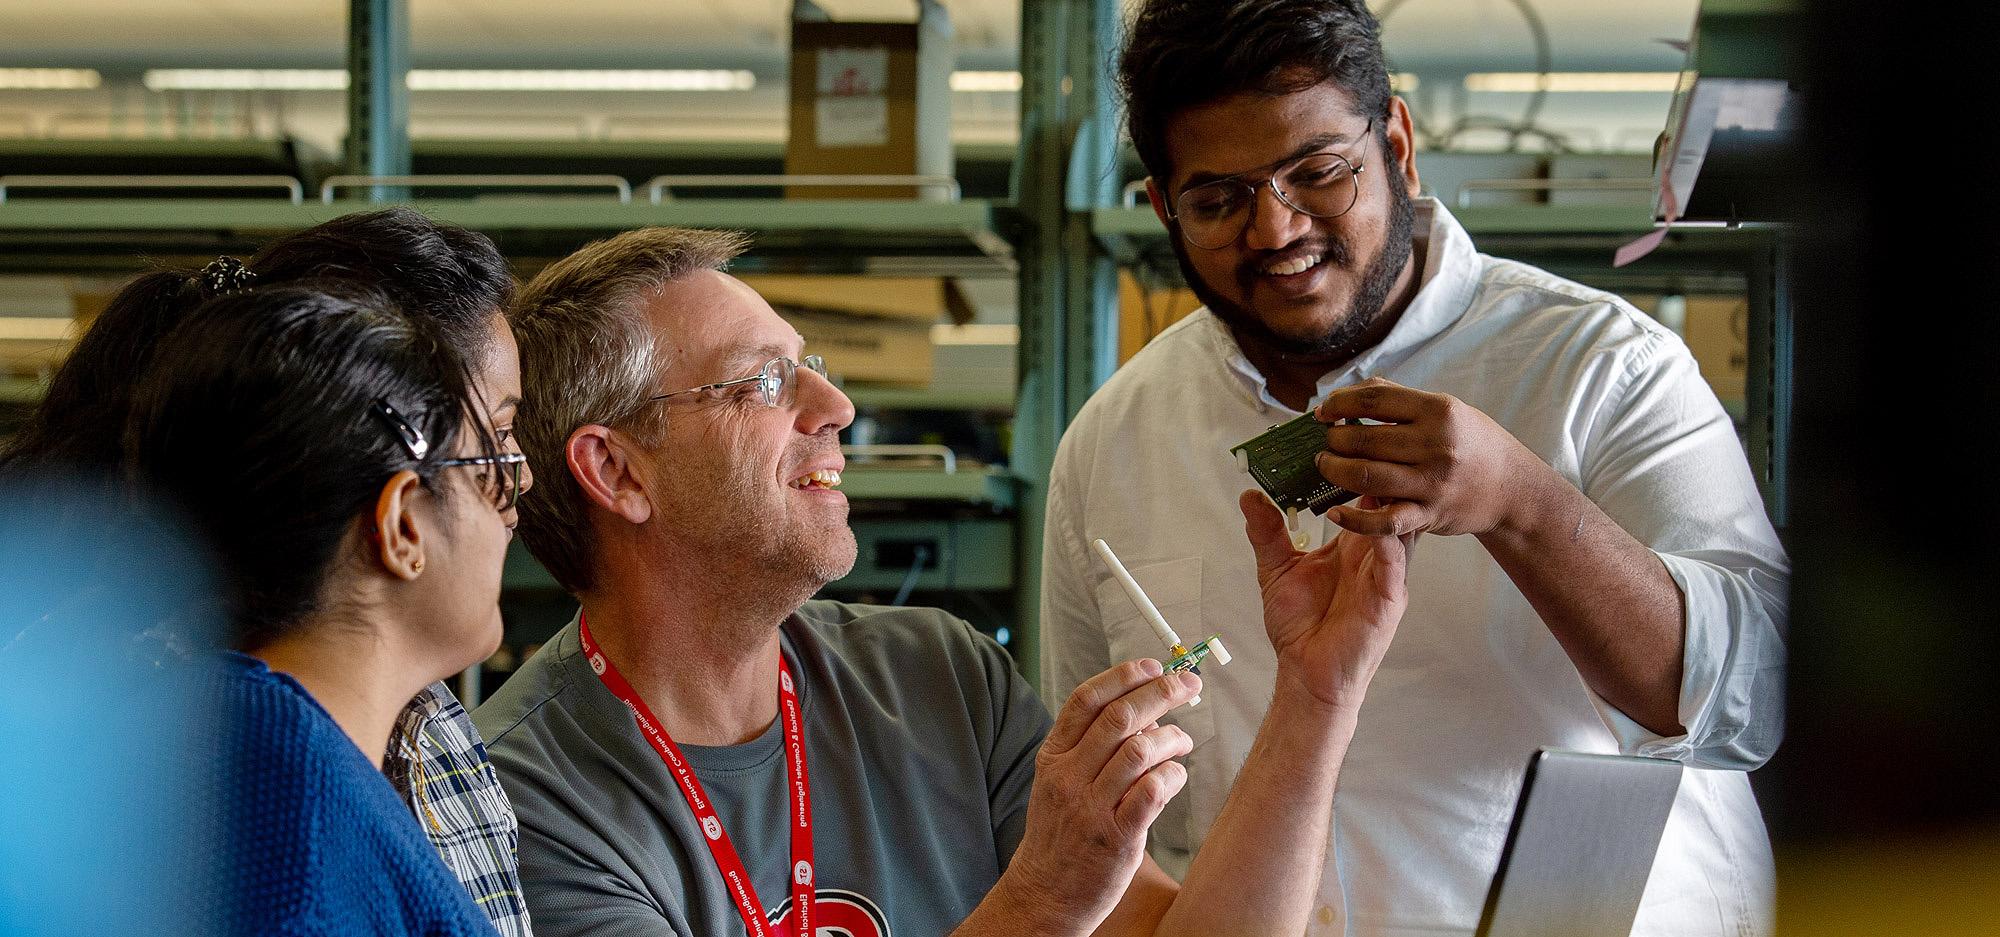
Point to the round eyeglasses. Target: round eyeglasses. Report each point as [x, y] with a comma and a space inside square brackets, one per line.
[1324, 185]
[777, 382]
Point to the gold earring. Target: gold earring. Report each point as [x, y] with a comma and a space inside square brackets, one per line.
[417, 565]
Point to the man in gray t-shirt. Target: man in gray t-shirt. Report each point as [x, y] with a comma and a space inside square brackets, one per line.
[922, 739]
[677, 752]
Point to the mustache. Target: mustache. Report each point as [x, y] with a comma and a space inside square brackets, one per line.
[1332, 249]
[825, 443]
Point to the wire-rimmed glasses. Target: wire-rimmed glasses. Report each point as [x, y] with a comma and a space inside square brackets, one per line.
[1324, 185]
[777, 382]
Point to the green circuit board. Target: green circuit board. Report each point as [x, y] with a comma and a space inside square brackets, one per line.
[1281, 461]
[1193, 658]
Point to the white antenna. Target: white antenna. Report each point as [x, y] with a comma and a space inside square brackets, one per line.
[1146, 608]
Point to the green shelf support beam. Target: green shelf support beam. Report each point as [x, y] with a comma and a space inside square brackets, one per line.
[1092, 183]
[1068, 168]
[378, 91]
[961, 220]
[118, 235]
[1039, 410]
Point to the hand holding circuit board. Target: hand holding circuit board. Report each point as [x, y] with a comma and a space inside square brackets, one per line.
[1423, 462]
[1284, 462]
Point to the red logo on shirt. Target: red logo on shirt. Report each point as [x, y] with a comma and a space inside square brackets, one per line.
[841, 913]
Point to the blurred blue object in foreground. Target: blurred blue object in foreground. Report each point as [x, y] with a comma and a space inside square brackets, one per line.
[105, 821]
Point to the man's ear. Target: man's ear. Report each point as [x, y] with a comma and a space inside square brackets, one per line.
[1402, 153]
[399, 538]
[603, 468]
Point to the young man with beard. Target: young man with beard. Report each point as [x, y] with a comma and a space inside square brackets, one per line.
[1601, 575]
[704, 752]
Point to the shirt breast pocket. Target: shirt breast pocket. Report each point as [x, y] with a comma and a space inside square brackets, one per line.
[1175, 588]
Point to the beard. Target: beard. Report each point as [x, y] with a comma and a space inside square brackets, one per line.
[1377, 279]
[724, 511]
[829, 559]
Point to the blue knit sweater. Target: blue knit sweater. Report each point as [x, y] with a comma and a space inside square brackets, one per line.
[318, 841]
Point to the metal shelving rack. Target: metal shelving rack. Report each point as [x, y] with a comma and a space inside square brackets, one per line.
[1063, 234]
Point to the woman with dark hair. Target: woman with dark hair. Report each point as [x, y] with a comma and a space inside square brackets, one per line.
[457, 281]
[338, 459]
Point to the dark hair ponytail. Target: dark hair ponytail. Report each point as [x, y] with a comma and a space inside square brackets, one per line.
[259, 421]
[76, 425]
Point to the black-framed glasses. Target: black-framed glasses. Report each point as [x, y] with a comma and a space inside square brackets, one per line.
[777, 382]
[506, 466]
[1324, 185]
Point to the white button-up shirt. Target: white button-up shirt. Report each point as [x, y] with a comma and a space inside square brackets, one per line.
[1474, 682]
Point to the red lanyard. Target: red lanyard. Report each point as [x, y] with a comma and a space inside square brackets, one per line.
[726, 860]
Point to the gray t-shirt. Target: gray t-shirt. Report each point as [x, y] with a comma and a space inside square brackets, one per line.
[920, 744]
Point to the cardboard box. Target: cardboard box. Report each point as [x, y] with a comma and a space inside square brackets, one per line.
[1717, 330]
[871, 99]
[885, 350]
[913, 299]
[1144, 313]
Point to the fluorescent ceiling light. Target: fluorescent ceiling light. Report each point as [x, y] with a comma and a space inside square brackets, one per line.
[455, 79]
[1003, 81]
[49, 79]
[244, 79]
[672, 79]
[1606, 82]
[985, 81]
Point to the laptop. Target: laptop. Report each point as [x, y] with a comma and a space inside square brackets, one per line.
[1582, 845]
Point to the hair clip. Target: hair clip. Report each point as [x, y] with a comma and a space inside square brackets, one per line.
[412, 440]
[225, 275]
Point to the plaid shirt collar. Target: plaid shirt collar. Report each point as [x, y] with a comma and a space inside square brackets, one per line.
[438, 763]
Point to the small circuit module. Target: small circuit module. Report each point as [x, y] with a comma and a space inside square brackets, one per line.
[1184, 657]
[1281, 460]
[1191, 658]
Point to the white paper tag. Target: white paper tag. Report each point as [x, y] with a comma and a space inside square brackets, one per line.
[851, 121]
[853, 72]
[1752, 104]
